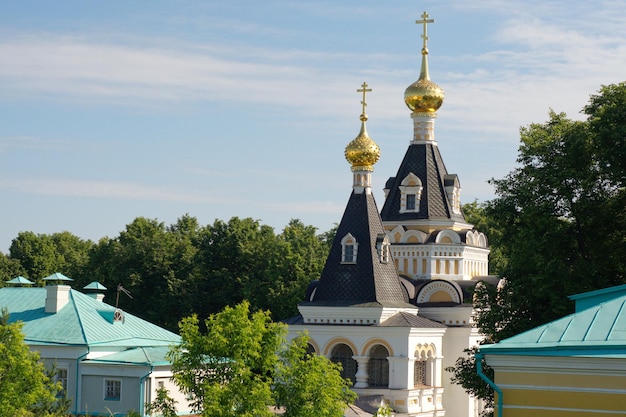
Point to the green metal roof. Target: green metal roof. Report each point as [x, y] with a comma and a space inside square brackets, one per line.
[57, 277]
[19, 281]
[593, 298]
[95, 285]
[595, 331]
[83, 321]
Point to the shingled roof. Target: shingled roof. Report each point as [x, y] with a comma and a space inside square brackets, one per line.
[368, 280]
[424, 160]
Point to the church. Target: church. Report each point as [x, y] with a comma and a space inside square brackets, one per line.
[393, 304]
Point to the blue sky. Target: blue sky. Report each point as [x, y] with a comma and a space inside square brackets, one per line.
[114, 110]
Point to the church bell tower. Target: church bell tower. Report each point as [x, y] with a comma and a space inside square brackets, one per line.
[429, 236]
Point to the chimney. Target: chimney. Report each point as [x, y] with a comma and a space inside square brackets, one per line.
[57, 293]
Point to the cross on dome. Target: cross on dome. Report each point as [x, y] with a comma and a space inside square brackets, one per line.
[364, 90]
[425, 21]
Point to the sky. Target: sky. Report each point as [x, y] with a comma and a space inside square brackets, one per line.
[114, 110]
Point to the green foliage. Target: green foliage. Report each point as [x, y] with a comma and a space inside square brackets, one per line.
[384, 411]
[309, 385]
[228, 370]
[244, 260]
[209, 267]
[163, 405]
[241, 366]
[42, 255]
[476, 214]
[564, 223]
[9, 268]
[561, 219]
[26, 389]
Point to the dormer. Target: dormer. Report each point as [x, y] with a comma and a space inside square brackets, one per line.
[410, 194]
[382, 248]
[349, 249]
[453, 191]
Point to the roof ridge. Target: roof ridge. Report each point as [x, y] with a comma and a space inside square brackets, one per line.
[79, 317]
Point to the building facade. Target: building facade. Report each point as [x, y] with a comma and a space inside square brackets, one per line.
[393, 303]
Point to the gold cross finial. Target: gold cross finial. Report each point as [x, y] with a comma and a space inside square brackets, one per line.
[425, 21]
[364, 90]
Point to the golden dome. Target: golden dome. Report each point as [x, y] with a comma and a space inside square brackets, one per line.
[362, 153]
[423, 95]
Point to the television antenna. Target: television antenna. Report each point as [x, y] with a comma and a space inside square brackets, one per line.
[124, 290]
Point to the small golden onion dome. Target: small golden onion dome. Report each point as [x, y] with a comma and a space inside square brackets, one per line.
[362, 153]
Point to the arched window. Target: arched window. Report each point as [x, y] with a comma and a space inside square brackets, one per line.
[419, 376]
[378, 367]
[310, 350]
[349, 249]
[423, 367]
[343, 354]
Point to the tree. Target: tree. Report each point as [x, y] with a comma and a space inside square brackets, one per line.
[155, 263]
[244, 260]
[476, 214]
[26, 388]
[228, 370]
[36, 253]
[9, 268]
[310, 385]
[40, 255]
[242, 365]
[163, 405]
[563, 220]
[301, 257]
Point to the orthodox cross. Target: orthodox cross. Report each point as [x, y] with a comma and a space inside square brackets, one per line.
[425, 21]
[364, 90]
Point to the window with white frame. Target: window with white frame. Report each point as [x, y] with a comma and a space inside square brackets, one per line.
[112, 389]
[349, 249]
[410, 194]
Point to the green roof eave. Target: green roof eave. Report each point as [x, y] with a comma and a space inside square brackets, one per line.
[592, 349]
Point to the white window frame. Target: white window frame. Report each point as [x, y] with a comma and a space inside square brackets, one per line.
[105, 388]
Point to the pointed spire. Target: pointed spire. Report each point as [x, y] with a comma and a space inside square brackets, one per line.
[425, 21]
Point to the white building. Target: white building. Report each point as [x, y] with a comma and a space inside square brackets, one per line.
[109, 362]
[393, 303]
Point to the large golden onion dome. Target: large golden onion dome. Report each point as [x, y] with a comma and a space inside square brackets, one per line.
[424, 96]
[362, 153]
